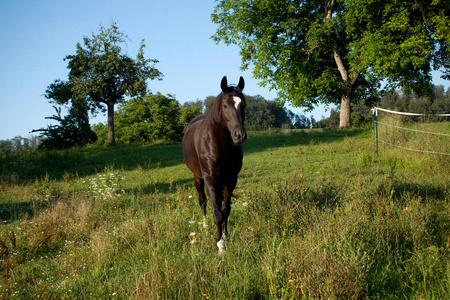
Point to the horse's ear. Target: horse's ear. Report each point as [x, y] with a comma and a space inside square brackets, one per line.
[224, 83]
[241, 84]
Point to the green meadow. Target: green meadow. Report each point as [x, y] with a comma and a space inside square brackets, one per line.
[316, 215]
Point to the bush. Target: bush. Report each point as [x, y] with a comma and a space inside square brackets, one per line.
[73, 130]
[149, 119]
[360, 121]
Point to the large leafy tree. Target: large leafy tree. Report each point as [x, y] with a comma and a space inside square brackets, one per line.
[102, 75]
[337, 51]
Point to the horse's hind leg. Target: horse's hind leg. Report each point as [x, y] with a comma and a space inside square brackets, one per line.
[200, 186]
[226, 207]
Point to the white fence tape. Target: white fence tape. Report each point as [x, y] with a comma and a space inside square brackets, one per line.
[410, 149]
[421, 131]
[375, 113]
[375, 109]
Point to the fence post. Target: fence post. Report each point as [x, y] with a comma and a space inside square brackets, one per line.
[375, 115]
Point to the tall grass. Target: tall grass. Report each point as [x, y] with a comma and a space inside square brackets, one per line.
[316, 215]
[419, 135]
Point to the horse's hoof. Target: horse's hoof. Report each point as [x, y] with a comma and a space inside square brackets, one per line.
[221, 246]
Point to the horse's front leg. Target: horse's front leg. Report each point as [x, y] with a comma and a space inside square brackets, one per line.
[215, 194]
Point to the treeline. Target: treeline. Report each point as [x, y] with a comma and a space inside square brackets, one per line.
[435, 102]
[19, 145]
[158, 117]
[149, 119]
[262, 114]
[161, 117]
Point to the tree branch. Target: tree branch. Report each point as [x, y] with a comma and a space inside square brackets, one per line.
[334, 46]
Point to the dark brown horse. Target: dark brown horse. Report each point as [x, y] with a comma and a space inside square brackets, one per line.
[212, 151]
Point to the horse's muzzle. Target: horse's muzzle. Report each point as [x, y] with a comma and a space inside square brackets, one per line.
[239, 136]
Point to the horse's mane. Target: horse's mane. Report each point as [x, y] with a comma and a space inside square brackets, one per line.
[213, 113]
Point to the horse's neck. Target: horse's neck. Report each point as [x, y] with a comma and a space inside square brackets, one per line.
[219, 133]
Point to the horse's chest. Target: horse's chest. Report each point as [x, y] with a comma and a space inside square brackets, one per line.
[230, 162]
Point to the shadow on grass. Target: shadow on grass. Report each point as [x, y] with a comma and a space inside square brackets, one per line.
[400, 190]
[14, 211]
[161, 187]
[81, 162]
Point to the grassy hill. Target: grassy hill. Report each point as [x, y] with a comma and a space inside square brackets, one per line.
[316, 215]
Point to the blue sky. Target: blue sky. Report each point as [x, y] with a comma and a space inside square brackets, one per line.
[37, 35]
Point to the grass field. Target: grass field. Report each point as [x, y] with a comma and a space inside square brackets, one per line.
[316, 215]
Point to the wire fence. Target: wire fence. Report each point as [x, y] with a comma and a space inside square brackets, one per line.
[397, 129]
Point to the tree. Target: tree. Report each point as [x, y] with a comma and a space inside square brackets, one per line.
[102, 75]
[164, 116]
[258, 115]
[313, 122]
[435, 102]
[209, 101]
[149, 119]
[337, 51]
[261, 114]
[72, 130]
[189, 111]
[301, 122]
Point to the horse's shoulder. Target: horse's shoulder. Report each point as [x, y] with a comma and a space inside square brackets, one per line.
[194, 123]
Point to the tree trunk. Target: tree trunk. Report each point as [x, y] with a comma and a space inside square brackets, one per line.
[349, 79]
[111, 138]
[346, 100]
[344, 118]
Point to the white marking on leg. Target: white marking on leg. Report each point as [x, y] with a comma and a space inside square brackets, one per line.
[236, 100]
[221, 246]
[205, 223]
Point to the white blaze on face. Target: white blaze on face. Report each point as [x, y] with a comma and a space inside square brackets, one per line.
[236, 100]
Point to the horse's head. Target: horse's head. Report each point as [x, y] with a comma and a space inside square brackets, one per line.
[232, 110]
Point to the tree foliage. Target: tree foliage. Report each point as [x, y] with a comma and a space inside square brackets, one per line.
[150, 119]
[18, 145]
[101, 75]
[189, 111]
[337, 51]
[261, 114]
[72, 130]
[437, 101]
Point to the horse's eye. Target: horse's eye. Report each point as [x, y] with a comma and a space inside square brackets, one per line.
[225, 106]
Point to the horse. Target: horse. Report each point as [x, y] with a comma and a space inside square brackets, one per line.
[212, 150]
